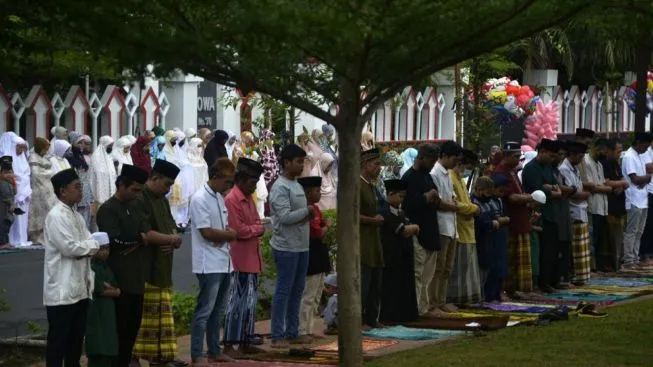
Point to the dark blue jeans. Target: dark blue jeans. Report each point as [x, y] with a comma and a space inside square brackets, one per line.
[209, 313]
[291, 276]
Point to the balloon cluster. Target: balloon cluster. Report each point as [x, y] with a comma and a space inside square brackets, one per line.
[543, 124]
[631, 93]
[509, 100]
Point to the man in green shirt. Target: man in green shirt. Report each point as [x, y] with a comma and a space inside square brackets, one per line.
[119, 217]
[156, 340]
[539, 175]
[370, 239]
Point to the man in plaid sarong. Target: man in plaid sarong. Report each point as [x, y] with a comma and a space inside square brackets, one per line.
[520, 278]
[578, 210]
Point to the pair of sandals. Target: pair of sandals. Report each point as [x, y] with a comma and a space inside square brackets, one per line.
[588, 310]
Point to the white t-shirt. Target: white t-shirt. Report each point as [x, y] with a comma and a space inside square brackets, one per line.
[647, 158]
[442, 180]
[632, 164]
[207, 210]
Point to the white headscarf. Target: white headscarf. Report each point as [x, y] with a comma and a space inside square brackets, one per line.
[230, 147]
[118, 154]
[8, 143]
[195, 152]
[60, 148]
[58, 132]
[102, 171]
[131, 138]
[181, 150]
[190, 133]
[168, 149]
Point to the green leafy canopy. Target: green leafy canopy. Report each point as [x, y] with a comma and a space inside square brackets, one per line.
[374, 46]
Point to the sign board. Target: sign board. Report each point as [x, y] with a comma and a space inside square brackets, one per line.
[207, 105]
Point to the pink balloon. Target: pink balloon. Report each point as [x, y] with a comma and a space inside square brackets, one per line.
[527, 148]
[530, 135]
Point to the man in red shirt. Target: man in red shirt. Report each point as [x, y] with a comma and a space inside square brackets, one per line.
[245, 253]
[520, 274]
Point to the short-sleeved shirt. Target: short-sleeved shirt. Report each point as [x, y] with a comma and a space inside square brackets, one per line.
[632, 164]
[156, 216]
[534, 176]
[420, 211]
[518, 212]
[370, 235]
[129, 259]
[597, 203]
[616, 202]
[578, 209]
[208, 210]
[647, 157]
[446, 220]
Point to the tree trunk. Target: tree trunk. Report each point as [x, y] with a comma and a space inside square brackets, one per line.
[348, 263]
[642, 59]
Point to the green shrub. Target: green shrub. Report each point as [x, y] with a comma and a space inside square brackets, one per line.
[183, 306]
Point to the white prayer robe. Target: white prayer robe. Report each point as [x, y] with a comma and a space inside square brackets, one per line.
[22, 172]
[67, 274]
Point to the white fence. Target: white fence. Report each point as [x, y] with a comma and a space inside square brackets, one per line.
[115, 112]
[411, 115]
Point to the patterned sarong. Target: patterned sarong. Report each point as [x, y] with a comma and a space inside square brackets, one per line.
[240, 317]
[520, 271]
[156, 339]
[581, 252]
[465, 281]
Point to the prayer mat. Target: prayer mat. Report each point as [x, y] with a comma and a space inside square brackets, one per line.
[523, 318]
[9, 251]
[572, 298]
[513, 307]
[369, 345]
[404, 333]
[621, 282]
[252, 363]
[459, 321]
[284, 358]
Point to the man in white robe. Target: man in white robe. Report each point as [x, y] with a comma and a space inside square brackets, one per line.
[67, 275]
[14, 146]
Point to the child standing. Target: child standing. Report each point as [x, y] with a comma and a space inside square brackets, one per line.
[319, 263]
[101, 333]
[491, 236]
[399, 296]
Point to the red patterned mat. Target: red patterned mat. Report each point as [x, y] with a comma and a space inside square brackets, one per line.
[369, 345]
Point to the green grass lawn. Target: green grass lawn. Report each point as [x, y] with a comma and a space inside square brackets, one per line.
[624, 338]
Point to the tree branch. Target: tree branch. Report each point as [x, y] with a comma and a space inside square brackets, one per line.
[471, 50]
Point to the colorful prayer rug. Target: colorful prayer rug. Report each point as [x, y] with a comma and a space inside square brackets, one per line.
[250, 363]
[621, 282]
[404, 333]
[369, 345]
[459, 321]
